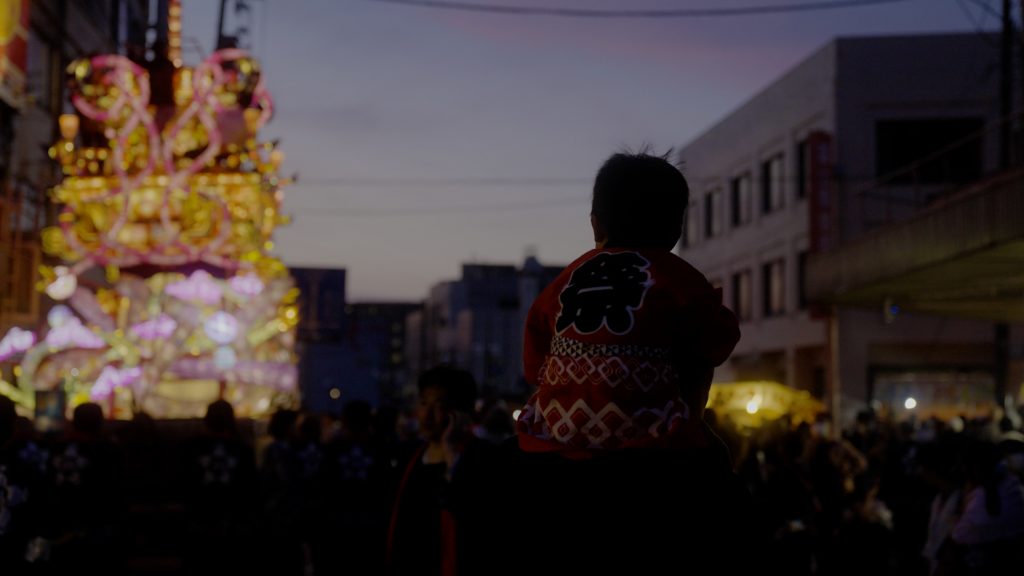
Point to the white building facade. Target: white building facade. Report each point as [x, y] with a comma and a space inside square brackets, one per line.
[817, 159]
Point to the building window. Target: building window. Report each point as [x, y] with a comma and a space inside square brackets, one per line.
[771, 184]
[742, 199]
[774, 286]
[742, 295]
[803, 169]
[713, 213]
[930, 151]
[692, 232]
[801, 271]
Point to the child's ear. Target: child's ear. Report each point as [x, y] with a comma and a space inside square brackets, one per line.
[600, 234]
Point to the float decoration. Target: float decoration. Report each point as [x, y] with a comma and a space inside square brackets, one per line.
[169, 296]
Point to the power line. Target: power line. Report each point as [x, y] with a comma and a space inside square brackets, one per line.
[979, 25]
[507, 10]
[989, 9]
[445, 210]
[398, 182]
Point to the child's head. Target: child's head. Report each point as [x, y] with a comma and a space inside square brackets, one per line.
[639, 202]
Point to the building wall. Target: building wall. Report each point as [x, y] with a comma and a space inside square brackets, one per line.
[485, 328]
[906, 77]
[321, 303]
[331, 377]
[909, 343]
[415, 349]
[441, 310]
[59, 32]
[842, 89]
[533, 278]
[476, 322]
[325, 362]
[771, 123]
[377, 334]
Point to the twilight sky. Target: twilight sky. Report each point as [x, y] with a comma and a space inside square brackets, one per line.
[426, 138]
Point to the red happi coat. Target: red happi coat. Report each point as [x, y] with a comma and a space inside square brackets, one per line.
[621, 346]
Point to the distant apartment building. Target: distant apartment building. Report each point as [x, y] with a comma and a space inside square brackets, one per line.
[440, 316]
[349, 351]
[327, 367]
[376, 334]
[477, 323]
[321, 303]
[533, 278]
[862, 133]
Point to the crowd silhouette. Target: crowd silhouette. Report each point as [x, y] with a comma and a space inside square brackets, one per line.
[322, 494]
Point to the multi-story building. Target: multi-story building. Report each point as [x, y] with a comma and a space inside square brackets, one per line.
[376, 334]
[477, 323]
[486, 329]
[321, 303]
[326, 363]
[533, 278]
[440, 315]
[863, 132]
[349, 351]
[44, 37]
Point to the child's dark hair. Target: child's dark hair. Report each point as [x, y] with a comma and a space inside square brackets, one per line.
[640, 200]
[458, 385]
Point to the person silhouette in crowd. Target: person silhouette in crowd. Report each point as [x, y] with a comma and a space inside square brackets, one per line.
[20, 482]
[989, 531]
[279, 483]
[85, 503]
[445, 496]
[220, 486]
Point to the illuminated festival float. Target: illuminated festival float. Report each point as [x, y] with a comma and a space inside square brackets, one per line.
[166, 295]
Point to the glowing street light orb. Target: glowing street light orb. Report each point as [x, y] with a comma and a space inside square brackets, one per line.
[754, 405]
[910, 403]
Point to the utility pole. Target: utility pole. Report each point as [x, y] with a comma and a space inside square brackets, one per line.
[1005, 87]
[1001, 332]
[220, 24]
[1020, 115]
